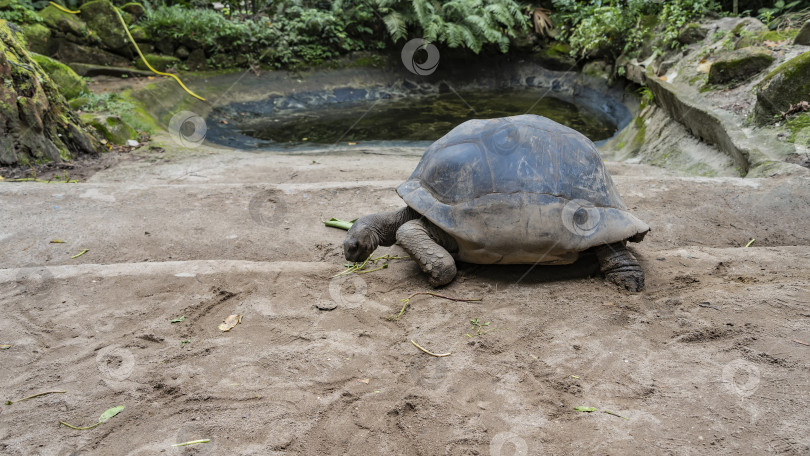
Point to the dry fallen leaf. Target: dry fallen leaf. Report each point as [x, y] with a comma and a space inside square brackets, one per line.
[230, 322]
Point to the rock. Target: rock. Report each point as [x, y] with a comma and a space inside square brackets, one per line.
[111, 128]
[165, 47]
[776, 36]
[196, 60]
[598, 69]
[803, 38]
[63, 22]
[36, 123]
[139, 35]
[136, 10]
[158, 62]
[748, 24]
[182, 53]
[89, 70]
[740, 65]
[102, 20]
[69, 83]
[692, 33]
[556, 57]
[75, 53]
[38, 37]
[788, 84]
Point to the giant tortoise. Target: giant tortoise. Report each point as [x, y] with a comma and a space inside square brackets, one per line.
[514, 190]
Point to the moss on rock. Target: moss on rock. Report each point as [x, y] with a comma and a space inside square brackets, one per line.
[38, 37]
[692, 33]
[69, 83]
[753, 39]
[63, 22]
[136, 10]
[788, 84]
[112, 128]
[158, 62]
[740, 65]
[102, 19]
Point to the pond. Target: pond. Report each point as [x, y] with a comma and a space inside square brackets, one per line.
[400, 119]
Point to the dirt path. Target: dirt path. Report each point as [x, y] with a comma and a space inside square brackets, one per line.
[703, 361]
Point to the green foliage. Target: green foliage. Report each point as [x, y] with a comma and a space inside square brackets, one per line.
[470, 24]
[20, 12]
[609, 28]
[118, 105]
[780, 8]
[676, 14]
[294, 36]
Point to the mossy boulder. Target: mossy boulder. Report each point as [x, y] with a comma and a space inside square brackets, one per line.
[557, 57]
[597, 69]
[63, 22]
[803, 37]
[111, 128]
[139, 34]
[36, 123]
[38, 37]
[135, 10]
[158, 62]
[69, 52]
[692, 33]
[749, 25]
[788, 84]
[102, 20]
[740, 65]
[753, 39]
[69, 83]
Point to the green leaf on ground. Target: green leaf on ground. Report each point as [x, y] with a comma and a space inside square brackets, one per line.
[110, 413]
[337, 223]
[582, 408]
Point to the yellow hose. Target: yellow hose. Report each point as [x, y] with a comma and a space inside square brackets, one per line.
[63, 8]
[132, 40]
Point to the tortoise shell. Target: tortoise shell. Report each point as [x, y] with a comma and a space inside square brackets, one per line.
[521, 189]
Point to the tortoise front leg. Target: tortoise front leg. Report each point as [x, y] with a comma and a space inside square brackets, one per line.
[428, 246]
[620, 266]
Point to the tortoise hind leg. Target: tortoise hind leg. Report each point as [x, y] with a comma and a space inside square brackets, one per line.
[620, 266]
[428, 246]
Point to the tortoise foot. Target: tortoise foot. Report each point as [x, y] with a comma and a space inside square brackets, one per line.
[620, 266]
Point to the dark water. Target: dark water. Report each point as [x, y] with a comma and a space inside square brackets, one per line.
[422, 119]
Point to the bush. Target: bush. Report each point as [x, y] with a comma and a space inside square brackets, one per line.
[296, 35]
[592, 29]
[469, 24]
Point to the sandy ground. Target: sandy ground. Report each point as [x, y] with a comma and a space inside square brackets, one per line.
[704, 361]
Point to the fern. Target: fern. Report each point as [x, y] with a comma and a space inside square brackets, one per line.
[458, 23]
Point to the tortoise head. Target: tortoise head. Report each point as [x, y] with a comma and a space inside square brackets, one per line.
[360, 242]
